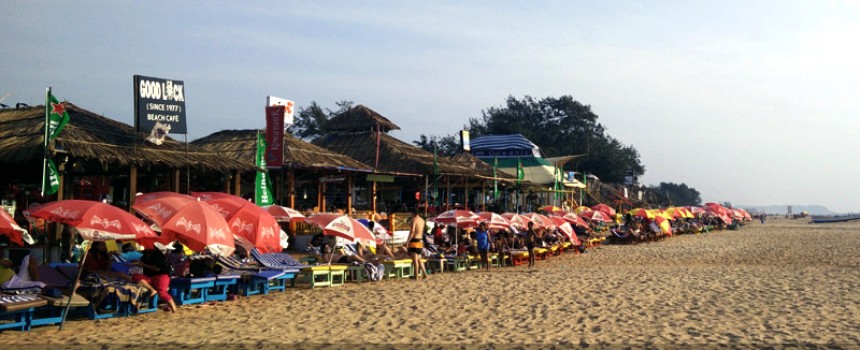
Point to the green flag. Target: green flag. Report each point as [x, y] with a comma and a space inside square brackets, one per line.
[56, 114]
[435, 162]
[263, 187]
[521, 174]
[555, 184]
[495, 182]
[52, 180]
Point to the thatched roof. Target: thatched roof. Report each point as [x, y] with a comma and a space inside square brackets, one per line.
[242, 144]
[395, 156]
[94, 137]
[472, 162]
[359, 119]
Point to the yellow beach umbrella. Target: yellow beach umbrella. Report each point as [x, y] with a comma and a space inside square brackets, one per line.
[642, 213]
[578, 210]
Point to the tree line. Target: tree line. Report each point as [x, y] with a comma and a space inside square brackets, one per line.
[558, 125]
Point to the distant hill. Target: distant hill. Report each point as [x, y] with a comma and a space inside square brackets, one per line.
[783, 209]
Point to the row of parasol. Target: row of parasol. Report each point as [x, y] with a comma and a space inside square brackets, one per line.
[202, 221]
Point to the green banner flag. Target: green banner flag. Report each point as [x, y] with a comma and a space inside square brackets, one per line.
[495, 182]
[56, 115]
[521, 174]
[435, 162]
[262, 185]
[52, 179]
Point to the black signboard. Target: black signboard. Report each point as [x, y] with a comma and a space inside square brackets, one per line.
[159, 106]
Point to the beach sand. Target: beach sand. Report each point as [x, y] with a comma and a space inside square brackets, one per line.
[783, 284]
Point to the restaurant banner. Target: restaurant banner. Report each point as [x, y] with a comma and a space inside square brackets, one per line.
[159, 106]
[275, 136]
[262, 184]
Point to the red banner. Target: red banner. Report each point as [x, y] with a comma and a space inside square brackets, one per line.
[275, 136]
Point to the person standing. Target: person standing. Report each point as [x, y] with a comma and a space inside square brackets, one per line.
[531, 240]
[482, 240]
[415, 244]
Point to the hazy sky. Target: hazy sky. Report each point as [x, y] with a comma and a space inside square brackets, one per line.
[753, 102]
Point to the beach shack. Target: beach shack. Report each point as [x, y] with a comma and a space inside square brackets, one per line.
[99, 158]
[518, 156]
[405, 176]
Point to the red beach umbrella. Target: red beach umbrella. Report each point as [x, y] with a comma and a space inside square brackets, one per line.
[96, 221]
[609, 211]
[517, 220]
[10, 228]
[495, 221]
[284, 214]
[565, 228]
[574, 220]
[343, 226]
[146, 197]
[460, 218]
[252, 226]
[540, 220]
[595, 216]
[196, 224]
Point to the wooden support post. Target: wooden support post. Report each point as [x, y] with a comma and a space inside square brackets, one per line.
[176, 184]
[237, 183]
[349, 194]
[132, 186]
[62, 178]
[292, 177]
[373, 198]
[322, 196]
[466, 192]
[447, 192]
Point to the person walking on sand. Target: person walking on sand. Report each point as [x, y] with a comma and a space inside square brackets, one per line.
[415, 244]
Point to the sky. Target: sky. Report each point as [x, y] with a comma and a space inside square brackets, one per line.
[752, 103]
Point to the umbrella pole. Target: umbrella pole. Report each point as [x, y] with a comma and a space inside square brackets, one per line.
[457, 239]
[75, 284]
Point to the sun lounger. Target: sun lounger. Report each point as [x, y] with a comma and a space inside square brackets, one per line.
[436, 264]
[541, 253]
[321, 276]
[401, 268]
[16, 311]
[520, 257]
[52, 313]
[277, 261]
[224, 284]
[190, 290]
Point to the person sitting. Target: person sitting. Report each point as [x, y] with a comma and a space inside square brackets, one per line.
[98, 261]
[156, 275]
[503, 245]
[26, 277]
[339, 256]
[176, 258]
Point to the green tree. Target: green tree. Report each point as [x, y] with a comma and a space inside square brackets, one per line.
[445, 146]
[562, 126]
[668, 193]
[310, 120]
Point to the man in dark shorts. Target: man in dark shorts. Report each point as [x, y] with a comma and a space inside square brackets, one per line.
[482, 240]
[415, 244]
[531, 239]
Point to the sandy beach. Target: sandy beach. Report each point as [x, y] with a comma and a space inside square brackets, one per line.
[783, 284]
